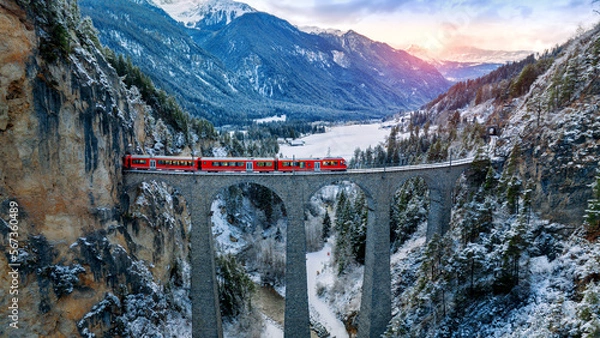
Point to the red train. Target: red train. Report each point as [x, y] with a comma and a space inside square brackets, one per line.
[232, 164]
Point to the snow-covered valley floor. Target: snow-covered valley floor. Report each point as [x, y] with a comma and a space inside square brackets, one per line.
[338, 141]
[319, 272]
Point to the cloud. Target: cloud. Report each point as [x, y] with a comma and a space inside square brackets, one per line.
[337, 11]
[356, 10]
[492, 24]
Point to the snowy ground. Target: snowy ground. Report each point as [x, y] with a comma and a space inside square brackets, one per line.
[271, 329]
[228, 238]
[319, 272]
[338, 141]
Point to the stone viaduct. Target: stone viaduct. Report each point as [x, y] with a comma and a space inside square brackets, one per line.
[295, 190]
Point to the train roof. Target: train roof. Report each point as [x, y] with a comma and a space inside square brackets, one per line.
[310, 158]
[238, 158]
[166, 157]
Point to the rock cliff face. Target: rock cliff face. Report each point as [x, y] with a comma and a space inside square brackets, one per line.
[88, 263]
[554, 133]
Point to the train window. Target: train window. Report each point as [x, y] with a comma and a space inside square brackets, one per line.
[285, 164]
[139, 161]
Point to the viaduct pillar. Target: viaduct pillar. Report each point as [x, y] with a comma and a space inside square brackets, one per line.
[376, 301]
[440, 210]
[206, 313]
[297, 318]
[440, 195]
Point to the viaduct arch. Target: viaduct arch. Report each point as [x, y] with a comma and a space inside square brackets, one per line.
[295, 190]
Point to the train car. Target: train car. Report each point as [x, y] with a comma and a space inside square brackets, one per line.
[233, 164]
[312, 164]
[146, 162]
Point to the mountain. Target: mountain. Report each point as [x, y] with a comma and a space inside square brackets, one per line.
[468, 54]
[231, 64]
[462, 71]
[473, 54]
[163, 49]
[348, 72]
[465, 63]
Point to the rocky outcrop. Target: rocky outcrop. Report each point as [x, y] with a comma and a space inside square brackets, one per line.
[85, 267]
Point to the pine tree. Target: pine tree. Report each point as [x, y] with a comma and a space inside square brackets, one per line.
[343, 216]
[235, 286]
[432, 257]
[490, 180]
[326, 226]
[513, 191]
[358, 236]
[515, 243]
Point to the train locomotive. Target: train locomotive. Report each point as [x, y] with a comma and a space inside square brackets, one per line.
[233, 164]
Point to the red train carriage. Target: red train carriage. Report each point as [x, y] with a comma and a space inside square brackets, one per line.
[312, 164]
[220, 164]
[160, 162]
[232, 164]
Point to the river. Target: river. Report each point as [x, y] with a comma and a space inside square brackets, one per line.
[272, 305]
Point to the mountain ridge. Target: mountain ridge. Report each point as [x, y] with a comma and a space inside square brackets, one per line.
[210, 85]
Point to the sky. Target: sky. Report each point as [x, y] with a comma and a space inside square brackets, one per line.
[437, 24]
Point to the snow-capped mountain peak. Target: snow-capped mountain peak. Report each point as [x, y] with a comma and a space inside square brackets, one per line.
[318, 30]
[203, 13]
